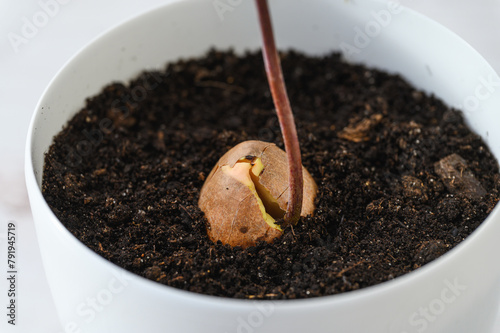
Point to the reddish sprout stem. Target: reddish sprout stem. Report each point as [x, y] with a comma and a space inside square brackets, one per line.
[285, 115]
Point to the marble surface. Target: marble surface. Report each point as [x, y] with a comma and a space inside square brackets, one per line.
[27, 65]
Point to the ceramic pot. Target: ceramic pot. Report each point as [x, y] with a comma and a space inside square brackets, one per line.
[458, 292]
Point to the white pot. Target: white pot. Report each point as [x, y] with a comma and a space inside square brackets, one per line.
[459, 292]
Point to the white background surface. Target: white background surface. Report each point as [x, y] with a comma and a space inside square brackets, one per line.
[26, 70]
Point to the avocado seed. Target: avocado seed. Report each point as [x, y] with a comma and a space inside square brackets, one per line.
[246, 193]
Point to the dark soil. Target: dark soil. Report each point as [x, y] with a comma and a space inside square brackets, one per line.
[125, 173]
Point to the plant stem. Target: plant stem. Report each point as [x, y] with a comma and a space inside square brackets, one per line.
[285, 115]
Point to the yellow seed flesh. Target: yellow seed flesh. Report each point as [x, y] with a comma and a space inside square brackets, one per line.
[247, 172]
